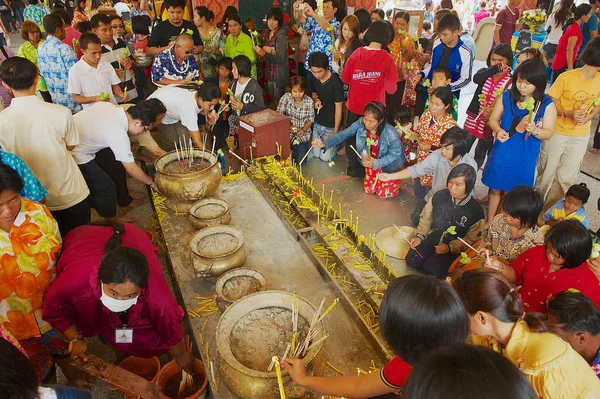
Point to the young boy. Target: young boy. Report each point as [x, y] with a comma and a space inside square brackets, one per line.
[327, 91]
[301, 108]
[451, 53]
[90, 80]
[250, 23]
[442, 78]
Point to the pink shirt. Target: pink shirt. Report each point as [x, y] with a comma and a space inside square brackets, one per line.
[73, 34]
[74, 297]
[481, 14]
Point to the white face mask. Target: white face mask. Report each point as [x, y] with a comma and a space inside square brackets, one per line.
[116, 305]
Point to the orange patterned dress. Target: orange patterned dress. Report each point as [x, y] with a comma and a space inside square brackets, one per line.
[430, 131]
[27, 266]
[402, 49]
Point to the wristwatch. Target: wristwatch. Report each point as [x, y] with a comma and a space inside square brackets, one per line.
[77, 338]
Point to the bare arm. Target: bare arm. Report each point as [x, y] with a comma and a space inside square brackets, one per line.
[152, 51]
[195, 134]
[166, 82]
[137, 173]
[339, 111]
[497, 34]
[494, 121]
[78, 98]
[570, 50]
[155, 150]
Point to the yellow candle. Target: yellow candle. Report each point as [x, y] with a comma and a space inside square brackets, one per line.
[331, 199]
[279, 379]
[356, 225]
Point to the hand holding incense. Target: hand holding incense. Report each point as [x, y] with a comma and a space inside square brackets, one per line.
[408, 241]
[279, 379]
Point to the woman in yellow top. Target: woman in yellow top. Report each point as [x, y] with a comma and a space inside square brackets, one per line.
[553, 368]
[576, 94]
[240, 43]
[32, 35]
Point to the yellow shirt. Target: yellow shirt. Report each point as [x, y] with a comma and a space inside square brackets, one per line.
[571, 92]
[553, 368]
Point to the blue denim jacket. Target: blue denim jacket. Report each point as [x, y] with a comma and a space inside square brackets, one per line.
[391, 151]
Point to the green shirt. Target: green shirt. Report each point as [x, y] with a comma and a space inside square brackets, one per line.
[27, 50]
[243, 46]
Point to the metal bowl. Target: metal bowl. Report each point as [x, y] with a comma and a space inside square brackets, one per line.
[215, 250]
[244, 281]
[209, 212]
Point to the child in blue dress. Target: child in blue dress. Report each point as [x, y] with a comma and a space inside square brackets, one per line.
[519, 122]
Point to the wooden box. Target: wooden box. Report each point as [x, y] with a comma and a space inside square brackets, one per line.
[259, 134]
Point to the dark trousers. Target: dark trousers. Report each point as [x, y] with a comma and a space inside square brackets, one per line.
[420, 192]
[103, 194]
[420, 100]
[75, 216]
[115, 169]
[597, 137]
[482, 149]
[393, 102]
[431, 263]
[8, 21]
[299, 151]
[355, 168]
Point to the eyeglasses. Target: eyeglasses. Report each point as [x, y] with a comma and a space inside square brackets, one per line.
[188, 52]
[118, 26]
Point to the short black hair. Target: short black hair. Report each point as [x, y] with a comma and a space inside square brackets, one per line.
[209, 91]
[122, 264]
[52, 22]
[591, 53]
[402, 115]
[318, 60]
[243, 65]
[18, 378]
[64, 15]
[98, 19]
[533, 71]
[402, 14]
[334, 3]
[298, 81]
[445, 71]
[113, 17]
[460, 140]
[503, 50]
[142, 113]
[379, 12]
[575, 312]
[364, 19]
[572, 241]
[84, 26]
[18, 73]
[524, 203]
[227, 63]
[420, 314]
[33, 2]
[87, 38]
[464, 170]
[467, 371]
[58, 6]
[156, 106]
[445, 94]
[449, 22]
[140, 24]
[10, 179]
[426, 25]
[378, 32]
[203, 12]
[579, 191]
[379, 112]
[174, 3]
[277, 14]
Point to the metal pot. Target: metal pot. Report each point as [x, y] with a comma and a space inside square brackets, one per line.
[200, 217]
[245, 382]
[224, 300]
[182, 190]
[212, 262]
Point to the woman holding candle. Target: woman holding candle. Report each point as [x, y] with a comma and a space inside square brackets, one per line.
[520, 121]
[450, 222]
[110, 283]
[418, 315]
[377, 146]
[511, 233]
[553, 368]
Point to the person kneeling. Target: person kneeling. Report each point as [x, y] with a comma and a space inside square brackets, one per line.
[449, 215]
[379, 147]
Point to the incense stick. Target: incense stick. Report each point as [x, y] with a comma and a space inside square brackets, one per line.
[354, 149]
[408, 241]
[467, 244]
[176, 150]
[489, 261]
[213, 146]
[305, 155]
[238, 157]
[279, 379]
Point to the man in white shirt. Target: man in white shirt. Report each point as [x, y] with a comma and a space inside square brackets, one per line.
[92, 81]
[104, 154]
[42, 135]
[183, 106]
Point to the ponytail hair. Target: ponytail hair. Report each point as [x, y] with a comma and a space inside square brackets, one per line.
[121, 264]
[490, 292]
[578, 12]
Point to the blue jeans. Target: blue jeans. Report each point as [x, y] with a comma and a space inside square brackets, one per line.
[18, 13]
[323, 133]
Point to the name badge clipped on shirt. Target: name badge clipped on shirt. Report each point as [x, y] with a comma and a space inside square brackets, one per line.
[124, 335]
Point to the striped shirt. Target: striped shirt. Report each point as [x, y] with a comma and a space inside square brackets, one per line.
[111, 56]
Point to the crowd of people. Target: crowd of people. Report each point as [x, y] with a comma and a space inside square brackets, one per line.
[89, 94]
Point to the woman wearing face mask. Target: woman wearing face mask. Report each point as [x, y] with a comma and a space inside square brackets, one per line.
[521, 119]
[110, 283]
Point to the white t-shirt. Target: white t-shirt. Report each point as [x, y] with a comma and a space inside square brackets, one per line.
[121, 7]
[89, 81]
[239, 88]
[103, 125]
[181, 106]
[39, 133]
[555, 31]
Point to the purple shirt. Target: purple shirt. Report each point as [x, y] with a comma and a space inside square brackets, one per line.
[507, 22]
[74, 297]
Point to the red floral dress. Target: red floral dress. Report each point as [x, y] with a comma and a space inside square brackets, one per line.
[383, 189]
